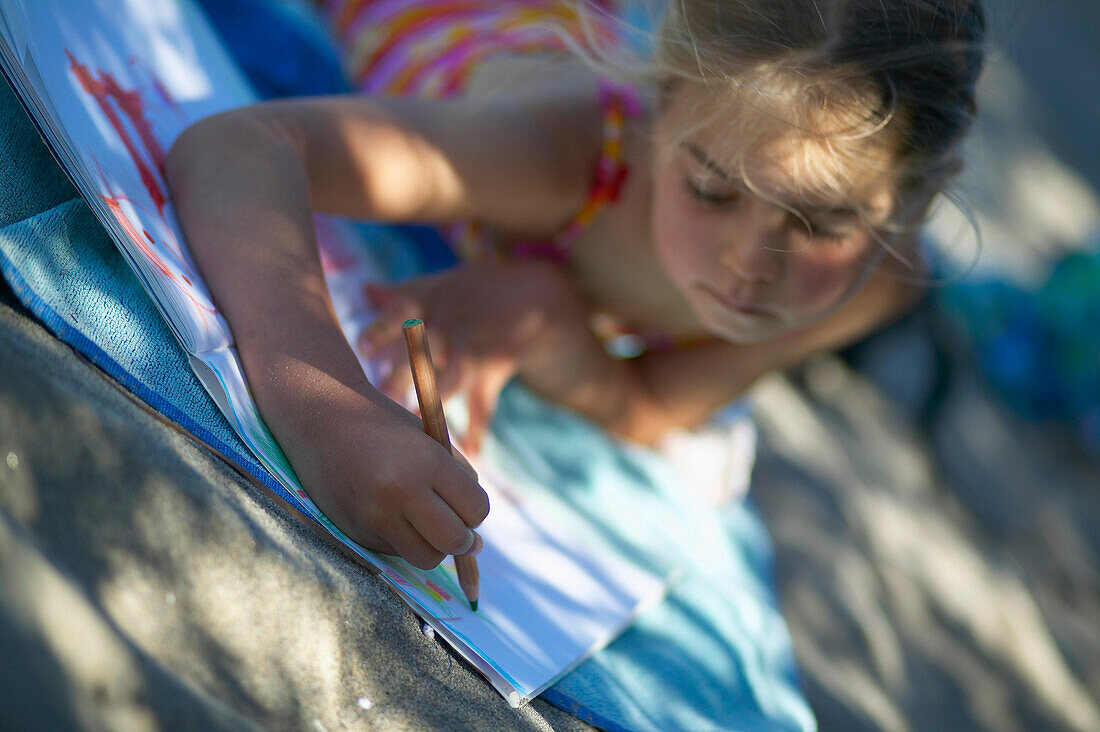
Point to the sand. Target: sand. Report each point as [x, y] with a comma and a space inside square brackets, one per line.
[939, 557]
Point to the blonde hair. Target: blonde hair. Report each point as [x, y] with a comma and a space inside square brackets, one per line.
[847, 76]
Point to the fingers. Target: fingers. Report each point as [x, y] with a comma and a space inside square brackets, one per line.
[383, 341]
[434, 514]
[375, 543]
[404, 511]
[475, 549]
[386, 328]
[464, 498]
[419, 552]
[414, 548]
[398, 381]
[449, 374]
[483, 396]
[395, 304]
[481, 413]
[467, 546]
[465, 465]
[441, 527]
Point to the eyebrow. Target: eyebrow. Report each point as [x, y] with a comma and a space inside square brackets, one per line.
[804, 207]
[698, 154]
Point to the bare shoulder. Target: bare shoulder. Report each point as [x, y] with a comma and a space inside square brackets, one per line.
[550, 104]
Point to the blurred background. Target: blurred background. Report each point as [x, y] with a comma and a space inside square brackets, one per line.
[934, 492]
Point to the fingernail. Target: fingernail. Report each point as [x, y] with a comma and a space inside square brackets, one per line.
[473, 544]
[475, 547]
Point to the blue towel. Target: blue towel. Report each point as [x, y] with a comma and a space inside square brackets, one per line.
[714, 655]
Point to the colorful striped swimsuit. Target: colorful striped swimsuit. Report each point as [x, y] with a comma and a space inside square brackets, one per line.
[430, 48]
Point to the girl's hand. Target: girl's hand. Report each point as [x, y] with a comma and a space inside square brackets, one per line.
[372, 470]
[483, 322]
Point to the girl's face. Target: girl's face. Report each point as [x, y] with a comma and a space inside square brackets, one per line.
[734, 238]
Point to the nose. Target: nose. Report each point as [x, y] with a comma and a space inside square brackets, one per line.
[751, 259]
[755, 238]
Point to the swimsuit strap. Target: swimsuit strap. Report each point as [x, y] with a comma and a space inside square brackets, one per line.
[618, 102]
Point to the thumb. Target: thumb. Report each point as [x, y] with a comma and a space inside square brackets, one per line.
[476, 545]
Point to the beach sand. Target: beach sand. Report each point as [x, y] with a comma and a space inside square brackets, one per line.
[939, 557]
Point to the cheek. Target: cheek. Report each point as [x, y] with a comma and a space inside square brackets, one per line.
[823, 279]
[679, 235]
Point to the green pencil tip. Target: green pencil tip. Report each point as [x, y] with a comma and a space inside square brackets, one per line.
[411, 322]
[473, 605]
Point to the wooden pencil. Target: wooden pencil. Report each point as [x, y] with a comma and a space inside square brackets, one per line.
[431, 412]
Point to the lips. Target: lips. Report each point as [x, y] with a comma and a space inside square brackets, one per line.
[736, 304]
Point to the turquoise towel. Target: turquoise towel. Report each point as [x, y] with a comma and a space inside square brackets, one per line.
[715, 655]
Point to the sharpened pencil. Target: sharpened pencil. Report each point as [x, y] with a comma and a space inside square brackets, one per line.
[431, 412]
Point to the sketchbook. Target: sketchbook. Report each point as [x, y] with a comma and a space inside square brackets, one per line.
[110, 84]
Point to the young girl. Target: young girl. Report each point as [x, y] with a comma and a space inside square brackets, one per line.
[734, 211]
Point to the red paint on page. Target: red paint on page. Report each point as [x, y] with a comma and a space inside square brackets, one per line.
[148, 251]
[109, 94]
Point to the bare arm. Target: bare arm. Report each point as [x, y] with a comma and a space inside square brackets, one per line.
[520, 166]
[644, 398]
[243, 185]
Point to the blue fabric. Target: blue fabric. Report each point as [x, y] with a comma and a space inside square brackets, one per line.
[62, 265]
[714, 655]
[282, 47]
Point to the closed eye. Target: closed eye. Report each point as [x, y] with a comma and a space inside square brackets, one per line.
[834, 228]
[710, 197]
[826, 232]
